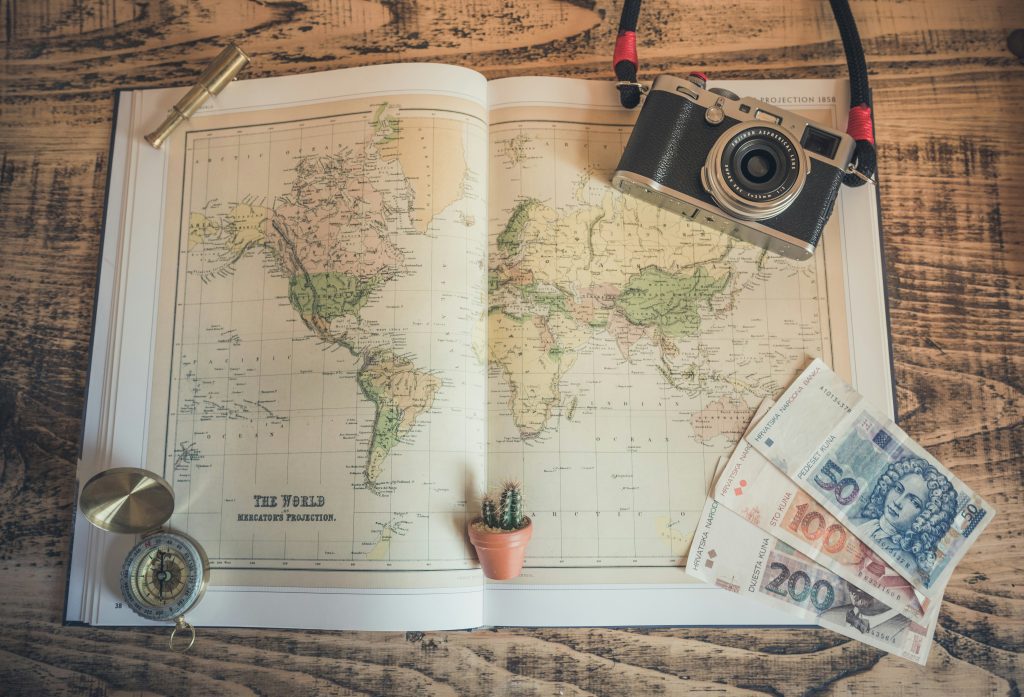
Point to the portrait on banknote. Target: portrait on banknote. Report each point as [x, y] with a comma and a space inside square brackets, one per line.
[909, 511]
[896, 499]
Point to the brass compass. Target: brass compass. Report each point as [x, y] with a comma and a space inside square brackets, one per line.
[165, 574]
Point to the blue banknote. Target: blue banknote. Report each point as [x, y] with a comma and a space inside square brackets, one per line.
[888, 490]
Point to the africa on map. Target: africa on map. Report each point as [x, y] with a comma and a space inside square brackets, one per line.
[324, 390]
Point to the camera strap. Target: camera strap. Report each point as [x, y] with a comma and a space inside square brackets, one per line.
[625, 60]
[859, 125]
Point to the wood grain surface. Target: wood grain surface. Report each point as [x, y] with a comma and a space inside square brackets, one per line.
[949, 99]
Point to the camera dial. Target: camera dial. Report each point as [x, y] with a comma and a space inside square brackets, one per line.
[755, 171]
[722, 92]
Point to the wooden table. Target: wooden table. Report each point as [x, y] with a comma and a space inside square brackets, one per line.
[949, 99]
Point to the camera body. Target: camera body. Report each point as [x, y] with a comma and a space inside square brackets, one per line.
[748, 168]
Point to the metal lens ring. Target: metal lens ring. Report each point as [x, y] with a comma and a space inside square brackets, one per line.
[755, 171]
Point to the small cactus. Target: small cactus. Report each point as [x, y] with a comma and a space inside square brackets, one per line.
[508, 512]
[501, 534]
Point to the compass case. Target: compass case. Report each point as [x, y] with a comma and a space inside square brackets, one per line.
[127, 500]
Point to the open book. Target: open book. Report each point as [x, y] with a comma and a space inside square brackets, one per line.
[335, 308]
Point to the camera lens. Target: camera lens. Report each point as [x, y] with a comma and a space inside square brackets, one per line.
[757, 167]
[755, 171]
[760, 164]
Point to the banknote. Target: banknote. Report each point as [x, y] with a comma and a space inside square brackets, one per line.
[886, 489]
[733, 554]
[750, 486]
[719, 467]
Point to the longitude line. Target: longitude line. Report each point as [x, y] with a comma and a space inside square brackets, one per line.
[227, 382]
[291, 381]
[558, 432]
[430, 358]
[355, 494]
[191, 474]
[259, 360]
[391, 526]
[323, 363]
[176, 364]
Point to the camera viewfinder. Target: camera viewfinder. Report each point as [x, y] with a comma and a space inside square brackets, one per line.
[820, 142]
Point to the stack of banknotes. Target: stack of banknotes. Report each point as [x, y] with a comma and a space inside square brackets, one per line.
[828, 510]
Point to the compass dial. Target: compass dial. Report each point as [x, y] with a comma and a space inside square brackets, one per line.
[164, 576]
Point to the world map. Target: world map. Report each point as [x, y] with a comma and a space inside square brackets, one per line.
[384, 312]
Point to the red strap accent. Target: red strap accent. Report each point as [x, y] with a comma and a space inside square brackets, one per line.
[625, 48]
[859, 125]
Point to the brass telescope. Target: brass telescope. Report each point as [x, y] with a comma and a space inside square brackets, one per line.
[224, 68]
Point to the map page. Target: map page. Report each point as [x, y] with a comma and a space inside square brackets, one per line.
[326, 408]
[628, 348]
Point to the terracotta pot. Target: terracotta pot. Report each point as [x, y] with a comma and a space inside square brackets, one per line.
[501, 554]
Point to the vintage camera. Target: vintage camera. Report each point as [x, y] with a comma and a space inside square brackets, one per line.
[742, 166]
